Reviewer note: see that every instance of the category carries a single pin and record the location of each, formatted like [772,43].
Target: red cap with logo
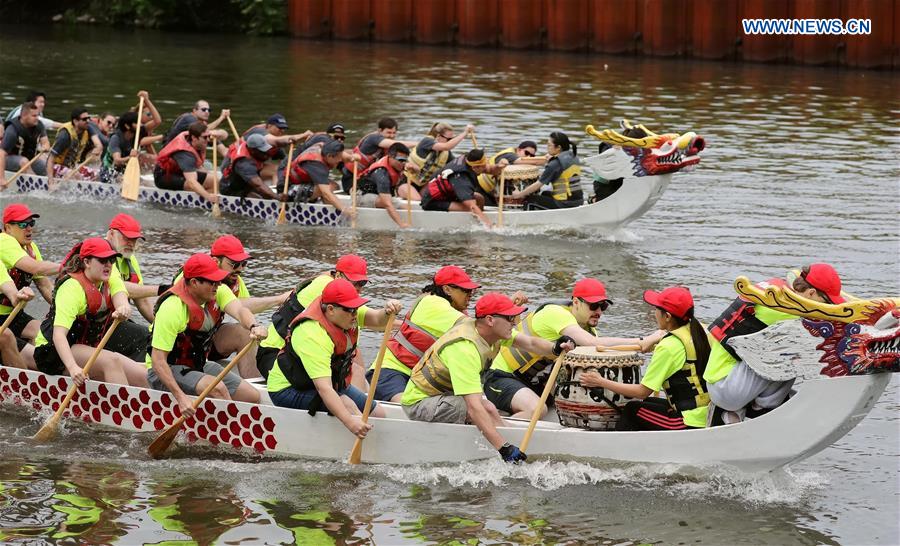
[454,276]
[342,292]
[677,300]
[590,290]
[353,267]
[204,267]
[95,247]
[127,226]
[18,212]
[230,247]
[495,303]
[825,279]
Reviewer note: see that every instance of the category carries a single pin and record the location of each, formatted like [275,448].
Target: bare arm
[376,319]
[594,379]
[329,197]
[583,338]
[450,144]
[332,401]
[472,205]
[155,118]
[258,305]
[527,190]
[45,287]
[37,267]
[140,291]
[533,344]
[224,114]
[385,201]
[145,308]
[481,419]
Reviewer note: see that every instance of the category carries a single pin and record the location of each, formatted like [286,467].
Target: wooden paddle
[409,188]
[500,204]
[356,452]
[25,167]
[48,431]
[77,168]
[234,132]
[19,306]
[132,179]
[601,348]
[474,141]
[164,440]
[353,198]
[216,211]
[282,214]
[535,417]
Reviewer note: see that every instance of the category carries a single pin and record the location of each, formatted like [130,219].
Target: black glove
[162,288]
[511,453]
[557,347]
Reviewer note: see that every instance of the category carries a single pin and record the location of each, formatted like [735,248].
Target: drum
[517,177]
[594,408]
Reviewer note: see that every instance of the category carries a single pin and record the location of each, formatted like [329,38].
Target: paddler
[433,152]
[86,299]
[242,167]
[454,188]
[371,148]
[188,315]
[10,345]
[74,141]
[23,138]
[441,306]
[200,112]
[677,367]
[309,172]
[445,386]
[387,177]
[314,368]
[517,378]
[489,180]
[21,257]
[179,165]
[560,184]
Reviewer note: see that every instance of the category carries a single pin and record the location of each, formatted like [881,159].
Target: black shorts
[265,360]
[173,182]
[500,387]
[48,361]
[19,323]
[130,339]
[431,204]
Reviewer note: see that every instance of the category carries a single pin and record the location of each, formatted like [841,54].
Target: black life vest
[28,138]
[685,389]
[19,277]
[739,319]
[192,346]
[87,329]
[291,308]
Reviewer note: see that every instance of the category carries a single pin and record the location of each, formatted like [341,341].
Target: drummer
[445,386]
[677,367]
[516,377]
[560,183]
[524,154]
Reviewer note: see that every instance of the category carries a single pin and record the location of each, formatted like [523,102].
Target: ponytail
[701,343]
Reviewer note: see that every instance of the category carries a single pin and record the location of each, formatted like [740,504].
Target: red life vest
[341,359]
[87,329]
[739,319]
[410,342]
[192,346]
[129,275]
[383,163]
[441,189]
[178,144]
[19,277]
[239,150]
[365,159]
[297,174]
[271,152]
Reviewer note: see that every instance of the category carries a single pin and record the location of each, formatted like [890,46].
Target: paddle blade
[282,215]
[216,211]
[48,431]
[132,179]
[164,440]
[356,452]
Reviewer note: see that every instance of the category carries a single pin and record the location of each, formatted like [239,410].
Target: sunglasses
[203,109]
[359,284]
[107,260]
[350,310]
[601,305]
[25,224]
[507,318]
[84,119]
[338,137]
[529,154]
[237,265]
[401,159]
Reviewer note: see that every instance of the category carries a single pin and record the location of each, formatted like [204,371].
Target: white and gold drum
[594,408]
[517,177]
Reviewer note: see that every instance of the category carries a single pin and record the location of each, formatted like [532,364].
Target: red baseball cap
[825,279]
[455,276]
[127,226]
[204,267]
[495,303]
[18,212]
[677,300]
[343,293]
[353,267]
[95,247]
[590,290]
[230,247]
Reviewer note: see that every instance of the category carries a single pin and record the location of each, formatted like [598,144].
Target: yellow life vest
[431,374]
[487,181]
[71,156]
[571,176]
[429,165]
[685,389]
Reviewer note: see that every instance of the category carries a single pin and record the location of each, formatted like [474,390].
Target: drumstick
[601,348]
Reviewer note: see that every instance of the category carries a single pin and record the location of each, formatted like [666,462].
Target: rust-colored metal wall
[708,29]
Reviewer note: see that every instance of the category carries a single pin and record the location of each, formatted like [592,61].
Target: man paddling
[23,138]
[10,345]
[371,148]
[309,171]
[21,257]
[187,317]
[179,165]
[242,167]
[73,142]
[445,386]
[388,177]
[454,188]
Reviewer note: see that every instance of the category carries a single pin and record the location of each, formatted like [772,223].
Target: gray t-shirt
[11,137]
[181,123]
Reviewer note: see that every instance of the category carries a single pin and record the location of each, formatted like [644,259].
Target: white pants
[743,386]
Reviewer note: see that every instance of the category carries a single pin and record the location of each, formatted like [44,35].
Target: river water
[801,166]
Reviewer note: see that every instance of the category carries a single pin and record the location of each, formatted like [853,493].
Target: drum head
[521,172]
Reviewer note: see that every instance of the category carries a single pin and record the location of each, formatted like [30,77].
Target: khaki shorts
[439,409]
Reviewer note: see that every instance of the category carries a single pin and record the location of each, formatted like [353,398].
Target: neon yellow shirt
[71,302]
[669,357]
[4,275]
[721,362]
[121,265]
[10,253]
[172,319]
[464,363]
[548,323]
[435,315]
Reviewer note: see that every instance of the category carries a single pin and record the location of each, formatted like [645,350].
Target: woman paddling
[677,366]
[86,300]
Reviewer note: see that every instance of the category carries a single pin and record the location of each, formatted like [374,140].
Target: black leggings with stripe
[650,414]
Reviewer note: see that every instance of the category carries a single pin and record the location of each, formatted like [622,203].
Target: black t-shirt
[321,138]
[426,145]
[464,185]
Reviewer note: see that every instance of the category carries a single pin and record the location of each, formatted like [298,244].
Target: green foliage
[264,17]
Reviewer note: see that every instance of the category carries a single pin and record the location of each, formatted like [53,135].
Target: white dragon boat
[645,167]
[837,352]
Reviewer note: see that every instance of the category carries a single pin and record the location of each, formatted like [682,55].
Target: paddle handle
[474,141]
[551,382]
[12,315]
[137,126]
[500,198]
[77,168]
[356,452]
[25,167]
[287,178]
[409,187]
[234,132]
[601,348]
[215,174]
[353,196]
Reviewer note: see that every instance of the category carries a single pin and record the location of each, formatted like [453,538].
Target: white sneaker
[732,417]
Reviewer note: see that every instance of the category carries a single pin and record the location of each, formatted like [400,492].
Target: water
[801,166]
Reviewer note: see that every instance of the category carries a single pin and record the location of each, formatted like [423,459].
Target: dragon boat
[839,353]
[639,171]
